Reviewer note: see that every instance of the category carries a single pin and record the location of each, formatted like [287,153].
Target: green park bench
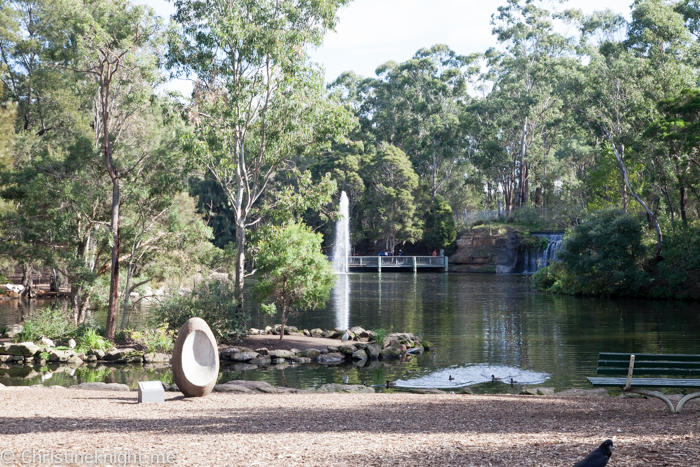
[640,371]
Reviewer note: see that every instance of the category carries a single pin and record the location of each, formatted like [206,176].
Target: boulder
[332,348]
[23,348]
[244,356]
[349,388]
[358,331]
[310,353]
[328,334]
[390,352]
[195,361]
[261,361]
[102,386]
[545,391]
[304,360]
[5,358]
[262,351]
[259,386]
[416,350]
[124,356]
[332,357]
[226,354]
[347,349]
[60,355]
[281,354]
[232,388]
[316,332]
[306,333]
[427,345]
[359,355]
[156,358]
[598,392]
[2,386]
[373,350]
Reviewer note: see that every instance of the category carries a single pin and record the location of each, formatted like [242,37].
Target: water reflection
[340,301]
[473,374]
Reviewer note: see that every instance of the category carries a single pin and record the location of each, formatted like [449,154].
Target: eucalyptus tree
[257,100]
[114,44]
[390,206]
[416,106]
[526,74]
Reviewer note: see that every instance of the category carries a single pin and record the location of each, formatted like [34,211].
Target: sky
[372,32]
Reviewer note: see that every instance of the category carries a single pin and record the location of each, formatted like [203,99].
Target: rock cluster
[361,347]
[28,353]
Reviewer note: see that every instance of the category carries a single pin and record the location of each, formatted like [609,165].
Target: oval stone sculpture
[195,359]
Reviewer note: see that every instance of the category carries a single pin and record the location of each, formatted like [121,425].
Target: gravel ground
[348,429]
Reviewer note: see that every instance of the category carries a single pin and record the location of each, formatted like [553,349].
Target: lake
[480,324]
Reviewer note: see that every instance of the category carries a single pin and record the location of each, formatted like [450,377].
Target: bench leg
[685,399]
[659,395]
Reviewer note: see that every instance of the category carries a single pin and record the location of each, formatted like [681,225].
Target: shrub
[604,255]
[213,301]
[90,339]
[544,279]
[155,340]
[51,322]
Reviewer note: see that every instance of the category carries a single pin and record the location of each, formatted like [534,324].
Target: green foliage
[214,301]
[605,255]
[50,322]
[155,340]
[381,333]
[390,202]
[294,274]
[440,228]
[90,339]
[678,275]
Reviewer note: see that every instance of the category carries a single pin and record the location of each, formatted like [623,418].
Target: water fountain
[341,251]
[341,248]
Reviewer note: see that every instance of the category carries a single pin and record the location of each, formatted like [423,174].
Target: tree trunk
[126,295]
[624,184]
[240,263]
[522,197]
[114,270]
[619,155]
[683,202]
[284,320]
[114,223]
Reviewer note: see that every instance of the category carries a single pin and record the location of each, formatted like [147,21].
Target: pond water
[480,324]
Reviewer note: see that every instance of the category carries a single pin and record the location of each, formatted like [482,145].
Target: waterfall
[534,260]
[341,249]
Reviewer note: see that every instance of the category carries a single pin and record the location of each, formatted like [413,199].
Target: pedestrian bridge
[396,263]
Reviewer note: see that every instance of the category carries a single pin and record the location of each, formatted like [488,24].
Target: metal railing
[409,262]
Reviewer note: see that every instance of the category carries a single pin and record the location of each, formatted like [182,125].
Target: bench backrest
[610,363]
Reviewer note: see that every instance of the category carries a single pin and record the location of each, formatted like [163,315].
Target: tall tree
[257,101]
[113,43]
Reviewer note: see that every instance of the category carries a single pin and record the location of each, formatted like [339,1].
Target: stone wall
[480,252]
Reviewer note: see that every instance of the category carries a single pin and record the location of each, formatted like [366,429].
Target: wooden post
[630,370]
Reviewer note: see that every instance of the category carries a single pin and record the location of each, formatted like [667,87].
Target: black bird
[389,384]
[364,383]
[494,379]
[451,378]
[598,457]
[512,382]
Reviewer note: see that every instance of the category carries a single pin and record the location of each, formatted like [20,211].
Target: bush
[155,340]
[51,322]
[544,279]
[90,339]
[605,255]
[213,301]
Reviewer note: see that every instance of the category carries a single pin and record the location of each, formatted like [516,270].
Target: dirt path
[350,429]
